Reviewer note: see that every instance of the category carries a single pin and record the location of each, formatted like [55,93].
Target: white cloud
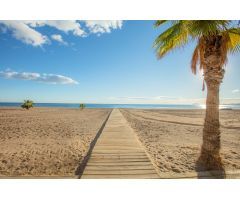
[24,33]
[56,79]
[46,78]
[62,25]
[58,38]
[99,26]
[236,91]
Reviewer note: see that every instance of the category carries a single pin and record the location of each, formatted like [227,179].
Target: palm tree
[215,40]
[27,104]
[82,106]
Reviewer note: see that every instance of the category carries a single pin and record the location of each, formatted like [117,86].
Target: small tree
[27,104]
[82,106]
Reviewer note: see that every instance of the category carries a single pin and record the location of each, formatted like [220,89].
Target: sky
[100,62]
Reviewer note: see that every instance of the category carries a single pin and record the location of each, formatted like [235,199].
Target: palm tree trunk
[213,74]
[210,153]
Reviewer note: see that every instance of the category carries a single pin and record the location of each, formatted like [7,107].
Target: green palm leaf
[180,32]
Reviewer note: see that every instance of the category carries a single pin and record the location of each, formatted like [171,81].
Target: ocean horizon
[139,106]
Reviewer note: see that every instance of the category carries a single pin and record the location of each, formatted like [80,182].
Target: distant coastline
[140,106]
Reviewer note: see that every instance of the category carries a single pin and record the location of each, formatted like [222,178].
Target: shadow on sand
[81,167]
[205,173]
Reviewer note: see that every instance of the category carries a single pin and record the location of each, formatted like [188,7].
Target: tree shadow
[80,169]
[210,170]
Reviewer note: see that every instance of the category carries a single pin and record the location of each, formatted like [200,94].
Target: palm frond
[198,28]
[195,60]
[233,36]
[224,33]
[173,37]
[201,53]
[224,50]
[160,22]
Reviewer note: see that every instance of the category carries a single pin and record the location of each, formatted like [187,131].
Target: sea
[139,106]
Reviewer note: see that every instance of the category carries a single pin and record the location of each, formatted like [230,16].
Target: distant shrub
[27,104]
[82,106]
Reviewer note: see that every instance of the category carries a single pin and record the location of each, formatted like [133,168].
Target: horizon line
[119,103]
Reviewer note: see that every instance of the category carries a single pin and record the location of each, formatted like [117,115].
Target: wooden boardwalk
[118,153]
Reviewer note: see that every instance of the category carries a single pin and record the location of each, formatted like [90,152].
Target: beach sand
[46,141]
[53,141]
[173,138]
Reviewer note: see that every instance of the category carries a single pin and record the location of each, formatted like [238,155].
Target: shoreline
[77,108]
[126,106]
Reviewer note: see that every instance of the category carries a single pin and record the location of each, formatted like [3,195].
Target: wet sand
[46,141]
[173,137]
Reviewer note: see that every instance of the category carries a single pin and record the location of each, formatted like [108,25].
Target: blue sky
[99,62]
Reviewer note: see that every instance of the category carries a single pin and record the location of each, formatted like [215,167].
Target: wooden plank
[117,148]
[117,176]
[118,143]
[118,167]
[118,153]
[120,160]
[120,172]
[143,163]
[118,156]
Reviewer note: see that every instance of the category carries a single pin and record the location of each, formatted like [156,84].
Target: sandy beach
[46,141]
[173,137]
[53,141]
